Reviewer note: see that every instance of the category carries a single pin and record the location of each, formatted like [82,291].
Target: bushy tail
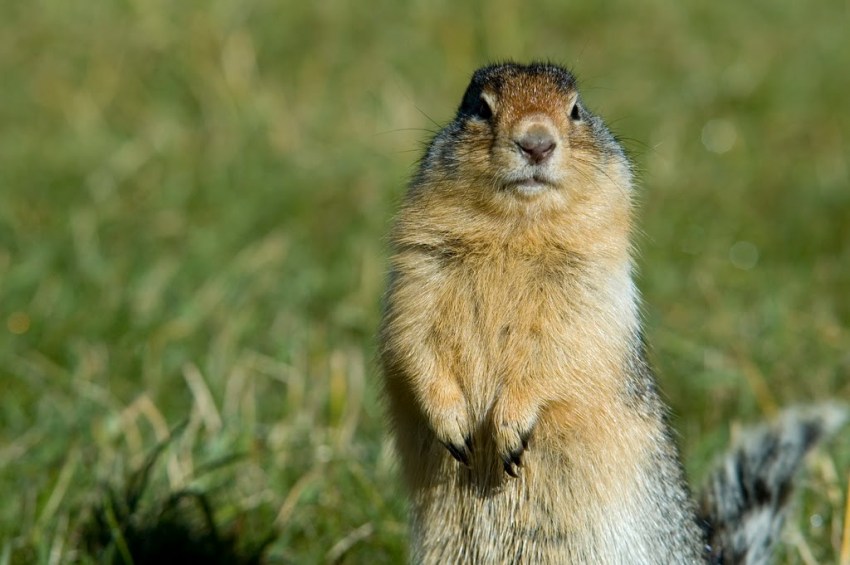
[744,501]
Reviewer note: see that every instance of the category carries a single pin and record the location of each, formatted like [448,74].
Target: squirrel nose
[537,144]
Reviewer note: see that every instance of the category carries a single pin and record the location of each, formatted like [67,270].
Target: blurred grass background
[193,203]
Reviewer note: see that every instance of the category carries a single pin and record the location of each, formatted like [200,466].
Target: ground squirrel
[526,416]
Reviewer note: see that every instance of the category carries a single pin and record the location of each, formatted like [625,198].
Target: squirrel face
[523,138]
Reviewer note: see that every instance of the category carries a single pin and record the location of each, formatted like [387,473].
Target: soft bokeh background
[194,198]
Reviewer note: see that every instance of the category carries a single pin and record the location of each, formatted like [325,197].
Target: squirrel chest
[503,311]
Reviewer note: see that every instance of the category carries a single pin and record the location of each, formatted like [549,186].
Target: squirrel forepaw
[513,424]
[449,420]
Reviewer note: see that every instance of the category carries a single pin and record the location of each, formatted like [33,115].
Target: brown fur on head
[508,109]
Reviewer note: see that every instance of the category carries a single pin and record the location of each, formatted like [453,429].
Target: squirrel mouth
[529,186]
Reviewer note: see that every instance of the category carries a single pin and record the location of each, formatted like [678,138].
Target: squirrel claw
[513,462]
[516,456]
[462,454]
[509,469]
[512,465]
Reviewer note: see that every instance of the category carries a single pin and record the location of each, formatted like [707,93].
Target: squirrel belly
[525,414]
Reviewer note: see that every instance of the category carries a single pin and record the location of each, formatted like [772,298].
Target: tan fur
[512,317]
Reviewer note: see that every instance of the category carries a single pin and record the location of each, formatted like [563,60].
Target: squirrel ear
[477,103]
[480,109]
[484,108]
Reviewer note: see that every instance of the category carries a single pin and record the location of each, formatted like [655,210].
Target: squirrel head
[523,140]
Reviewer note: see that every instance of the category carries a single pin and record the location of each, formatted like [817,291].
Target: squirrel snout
[537,143]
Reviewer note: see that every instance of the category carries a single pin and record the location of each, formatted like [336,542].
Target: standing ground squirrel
[526,416]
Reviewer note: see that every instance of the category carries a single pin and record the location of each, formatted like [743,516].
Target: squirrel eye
[483,110]
[575,114]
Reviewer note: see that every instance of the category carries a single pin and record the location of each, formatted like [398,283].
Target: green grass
[194,198]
